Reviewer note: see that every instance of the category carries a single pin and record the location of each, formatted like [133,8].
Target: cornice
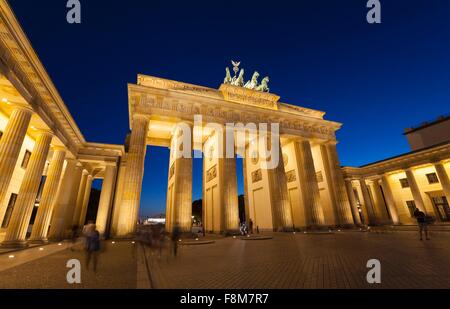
[409,160]
[156,101]
[31,78]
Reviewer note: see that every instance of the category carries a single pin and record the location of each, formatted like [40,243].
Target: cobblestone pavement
[309,261]
[286,261]
[117,268]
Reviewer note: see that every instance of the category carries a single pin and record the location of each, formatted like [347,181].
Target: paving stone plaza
[288,261]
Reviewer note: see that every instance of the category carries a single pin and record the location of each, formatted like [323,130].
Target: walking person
[73,236]
[93,249]
[251,226]
[422,222]
[175,238]
[162,238]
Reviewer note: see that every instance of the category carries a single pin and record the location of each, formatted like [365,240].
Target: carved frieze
[249,97]
[257,176]
[211,174]
[222,114]
[172,171]
[291,176]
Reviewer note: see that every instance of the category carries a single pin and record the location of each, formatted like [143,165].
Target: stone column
[367,202]
[118,196]
[20,219]
[11,144]
[73,193]
[443,179]
[309,186]
[246,201]
[282,210]
[131,195]
[104,206]
[418,200]
[183,194]
[80,198]
[379,205]
[343,211]
[352,200]
[57,224]
[87,195]
[390,201]
[231,195]
[45,210]
[179,197]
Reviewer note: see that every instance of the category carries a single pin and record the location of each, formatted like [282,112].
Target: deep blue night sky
[322,54]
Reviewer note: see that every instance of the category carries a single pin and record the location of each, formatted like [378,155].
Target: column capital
[58,148]
[438,162]
[21,106]
[71,160]
[331,142]
[408,169]
[44,132]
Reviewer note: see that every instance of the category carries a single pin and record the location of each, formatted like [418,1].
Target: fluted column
[343,210]
[183,194]
[57,223]
[231,195]
[309,186]
[352,200]
[282,210]
[133,178]
[443,179]
[80,198]
[20,219]
[45,210]
[246,201]
[87,195]
[104,206]
[11,144]
[390,201]
[367,202]
[418,200]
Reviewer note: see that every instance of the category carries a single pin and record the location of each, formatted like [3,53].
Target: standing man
[422,222]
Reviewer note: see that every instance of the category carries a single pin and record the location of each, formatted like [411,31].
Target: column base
[15,244]
[38,241]
[124,237]
[284,229]
[346,226]
[317,228]
[231,233]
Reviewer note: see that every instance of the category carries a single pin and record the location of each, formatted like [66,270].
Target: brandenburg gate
[306,188]
[47,167]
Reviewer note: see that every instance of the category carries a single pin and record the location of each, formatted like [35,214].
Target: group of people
[154,237]
[246,229]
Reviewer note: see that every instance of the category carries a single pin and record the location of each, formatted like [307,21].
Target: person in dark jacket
[422,222]
[93,249]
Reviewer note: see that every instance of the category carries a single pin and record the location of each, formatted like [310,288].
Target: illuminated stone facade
[47,166]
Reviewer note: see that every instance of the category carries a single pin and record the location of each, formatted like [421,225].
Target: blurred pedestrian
[162,239]
[175,239]
[93,249]
[87,232]
[73,236]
